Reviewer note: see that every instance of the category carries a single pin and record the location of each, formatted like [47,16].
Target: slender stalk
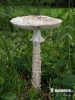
[36,59]
[36,66]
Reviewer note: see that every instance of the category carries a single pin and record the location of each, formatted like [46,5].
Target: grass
[58,55]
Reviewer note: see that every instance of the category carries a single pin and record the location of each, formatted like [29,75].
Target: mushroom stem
[36,59]
[37,36]
[36,66]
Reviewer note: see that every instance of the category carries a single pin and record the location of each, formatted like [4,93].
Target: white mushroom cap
[33,22]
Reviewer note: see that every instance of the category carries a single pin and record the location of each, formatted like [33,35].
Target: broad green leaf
[69,80]
[8,96]
[1,80]
[57,81]
[69,36]
[17,61]
[47,63]
[69,27]
[60,98]
[61,63]
[32,93]
[57,70]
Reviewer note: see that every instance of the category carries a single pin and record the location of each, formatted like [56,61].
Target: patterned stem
[36,65]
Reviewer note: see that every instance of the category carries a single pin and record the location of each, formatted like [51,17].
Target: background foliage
[53,3]
[58,52]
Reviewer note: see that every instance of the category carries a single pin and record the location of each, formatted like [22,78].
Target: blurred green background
[52,3]
[57,52]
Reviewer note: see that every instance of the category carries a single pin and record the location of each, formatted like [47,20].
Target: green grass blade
[5,46]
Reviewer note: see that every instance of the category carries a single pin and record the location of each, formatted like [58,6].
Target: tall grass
[58,54]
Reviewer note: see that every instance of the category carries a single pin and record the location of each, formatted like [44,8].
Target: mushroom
[36,23]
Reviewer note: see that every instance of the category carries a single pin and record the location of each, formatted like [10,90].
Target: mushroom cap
[33,22]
